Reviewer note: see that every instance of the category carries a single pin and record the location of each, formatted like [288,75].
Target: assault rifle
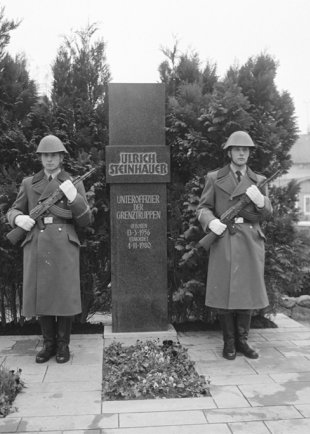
[226,218]
[18,234]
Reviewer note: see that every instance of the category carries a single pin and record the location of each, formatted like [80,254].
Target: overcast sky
[225,32]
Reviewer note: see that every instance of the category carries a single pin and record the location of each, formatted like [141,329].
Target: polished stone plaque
[138,168]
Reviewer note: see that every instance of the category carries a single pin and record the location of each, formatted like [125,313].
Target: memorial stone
[138,168]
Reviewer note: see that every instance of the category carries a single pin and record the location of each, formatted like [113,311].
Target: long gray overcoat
[51,274]
[236,263]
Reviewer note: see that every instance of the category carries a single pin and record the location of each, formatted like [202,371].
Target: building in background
[300,171]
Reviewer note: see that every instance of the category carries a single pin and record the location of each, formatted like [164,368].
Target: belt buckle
[239,220]
[48,220]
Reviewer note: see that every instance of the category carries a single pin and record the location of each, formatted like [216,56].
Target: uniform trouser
[56,331]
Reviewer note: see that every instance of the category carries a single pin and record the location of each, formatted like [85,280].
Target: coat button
[42,230]
[59,229]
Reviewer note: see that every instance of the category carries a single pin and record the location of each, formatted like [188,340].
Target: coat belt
[47,220]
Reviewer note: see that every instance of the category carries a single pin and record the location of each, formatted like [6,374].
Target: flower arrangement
[10,386]
[150,370]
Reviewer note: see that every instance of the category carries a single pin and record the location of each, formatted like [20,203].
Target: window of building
[307,204]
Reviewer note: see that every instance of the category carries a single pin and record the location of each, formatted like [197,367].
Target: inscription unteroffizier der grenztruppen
[139,230]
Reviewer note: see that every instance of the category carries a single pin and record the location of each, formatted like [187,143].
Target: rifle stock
[207,240]
[15,235]
[18,234]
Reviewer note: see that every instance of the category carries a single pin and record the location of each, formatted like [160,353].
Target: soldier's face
[51,161]
[239,155]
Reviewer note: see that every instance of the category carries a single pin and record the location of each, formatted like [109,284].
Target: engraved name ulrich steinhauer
[138,163]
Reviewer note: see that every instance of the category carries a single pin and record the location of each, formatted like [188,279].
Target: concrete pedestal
[130,338]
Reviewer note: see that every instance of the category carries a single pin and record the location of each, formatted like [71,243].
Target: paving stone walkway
[267,395]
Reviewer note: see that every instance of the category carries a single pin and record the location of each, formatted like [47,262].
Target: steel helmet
[50,144]
[239,138]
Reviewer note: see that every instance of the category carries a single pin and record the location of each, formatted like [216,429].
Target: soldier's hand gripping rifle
[18,234]
[226,218]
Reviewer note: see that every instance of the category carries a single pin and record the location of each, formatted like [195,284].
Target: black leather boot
[63,338]
[228,326]
[243,323]
[48,329]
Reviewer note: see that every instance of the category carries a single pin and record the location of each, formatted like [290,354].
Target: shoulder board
[63,176]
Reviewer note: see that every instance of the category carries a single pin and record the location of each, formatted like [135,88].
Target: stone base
[297,308]
[131,338]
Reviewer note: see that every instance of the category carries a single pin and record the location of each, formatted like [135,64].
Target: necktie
[50,178]
[239,174]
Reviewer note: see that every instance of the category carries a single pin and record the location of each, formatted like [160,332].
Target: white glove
[25,222]
[69,190]
[256,196]
[217,226]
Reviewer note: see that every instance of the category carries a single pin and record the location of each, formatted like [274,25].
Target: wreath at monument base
[150,370]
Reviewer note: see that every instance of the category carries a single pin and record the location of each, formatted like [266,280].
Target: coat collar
[226,181]
[38,177]
[39,182]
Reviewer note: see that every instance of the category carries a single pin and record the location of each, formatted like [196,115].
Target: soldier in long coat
[51,277]
[235,282]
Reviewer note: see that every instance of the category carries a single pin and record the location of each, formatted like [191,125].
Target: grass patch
[10,386]
[149,370]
